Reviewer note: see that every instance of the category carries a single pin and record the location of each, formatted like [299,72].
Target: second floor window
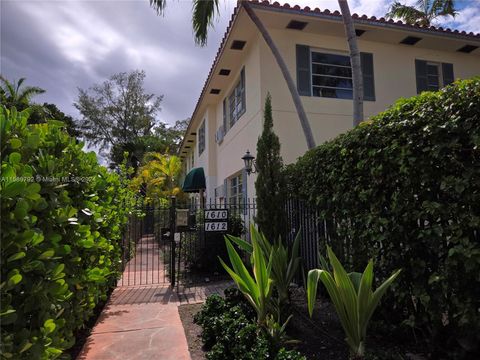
[236,100]
[201,138]
[331,75]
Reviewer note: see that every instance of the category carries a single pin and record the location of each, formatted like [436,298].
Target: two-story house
[398,60]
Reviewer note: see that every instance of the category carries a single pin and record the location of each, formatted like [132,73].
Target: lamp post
[250,164]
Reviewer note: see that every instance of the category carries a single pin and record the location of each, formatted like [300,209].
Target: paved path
[142,322]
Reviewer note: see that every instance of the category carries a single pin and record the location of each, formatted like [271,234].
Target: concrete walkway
[142,322]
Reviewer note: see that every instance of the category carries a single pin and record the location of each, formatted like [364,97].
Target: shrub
[404,189]
[229,330]
[62,217]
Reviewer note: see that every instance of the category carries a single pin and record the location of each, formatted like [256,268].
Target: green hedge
[404,188]
[61,224]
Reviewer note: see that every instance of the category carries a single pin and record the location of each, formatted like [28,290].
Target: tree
[270,184]
[158,177]
[355,62]
[19,96]
[117,112]
[424,12]
[14,94]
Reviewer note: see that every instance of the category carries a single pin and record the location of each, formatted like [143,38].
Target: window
[235,193]
[201,138]
[431,75]
[236,101]
[331,75]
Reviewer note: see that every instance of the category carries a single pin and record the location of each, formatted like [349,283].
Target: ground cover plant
[62,217]
[404,189]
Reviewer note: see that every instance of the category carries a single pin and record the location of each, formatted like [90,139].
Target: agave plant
[352,296]
[285,263]
[257,289]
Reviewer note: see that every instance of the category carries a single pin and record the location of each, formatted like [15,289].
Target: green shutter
[447,71]
[225,116]
[304,77]
[421,74]
[368,77]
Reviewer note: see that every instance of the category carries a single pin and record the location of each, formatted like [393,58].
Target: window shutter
[242,86]
[421,74]
[447,71]
[304,77]
[368,76]
[225,115]
[226,191]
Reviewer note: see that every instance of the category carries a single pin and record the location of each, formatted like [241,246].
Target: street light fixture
[250,164]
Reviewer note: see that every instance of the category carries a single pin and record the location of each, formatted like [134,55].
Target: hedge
[404,188]
[62,216]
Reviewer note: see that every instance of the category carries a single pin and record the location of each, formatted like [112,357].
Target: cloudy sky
[61,45]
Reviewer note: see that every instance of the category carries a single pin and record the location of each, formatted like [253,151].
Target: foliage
[158,177]
[257,289]
[203,13]
[118,111]
[16,95]
[406,187]
[229,330]
[285,262]
[19,96]
[62,217]
[270,183]
[424,12]
[352,296]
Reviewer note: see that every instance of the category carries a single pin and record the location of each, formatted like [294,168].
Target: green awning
[194,181]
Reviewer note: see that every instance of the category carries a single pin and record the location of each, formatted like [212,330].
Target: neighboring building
[398,60]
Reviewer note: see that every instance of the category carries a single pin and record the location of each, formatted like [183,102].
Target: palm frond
[445,8]
[10,87]
[27,93]
[409,14]
[159,6]
[204,11]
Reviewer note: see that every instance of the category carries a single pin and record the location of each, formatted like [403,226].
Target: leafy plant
[352,296]
[257,289]
[62,224]
[403,189]
[285,261]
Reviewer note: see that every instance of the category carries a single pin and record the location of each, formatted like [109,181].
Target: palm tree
[423,12]
[13,94]
[357,78]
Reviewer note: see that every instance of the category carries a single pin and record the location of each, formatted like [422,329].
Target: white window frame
[236,198]
[239,101]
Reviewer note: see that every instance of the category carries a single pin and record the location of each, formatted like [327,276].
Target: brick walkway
[142,323]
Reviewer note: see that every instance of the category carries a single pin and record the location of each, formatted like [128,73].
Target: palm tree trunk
[286,75]
[355,61]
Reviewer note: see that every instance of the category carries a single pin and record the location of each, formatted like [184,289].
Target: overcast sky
[61,45]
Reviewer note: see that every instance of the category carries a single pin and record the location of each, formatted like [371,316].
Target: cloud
[62,45]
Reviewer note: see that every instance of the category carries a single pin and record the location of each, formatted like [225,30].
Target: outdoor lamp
[249,161]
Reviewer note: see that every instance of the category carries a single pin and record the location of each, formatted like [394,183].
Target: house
[398,60]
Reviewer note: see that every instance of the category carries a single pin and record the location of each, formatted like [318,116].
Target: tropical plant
[15,94]
[158,177]
[257,289]
[285,262]
[270,182]
[62,227]
[352,296]
[424,12]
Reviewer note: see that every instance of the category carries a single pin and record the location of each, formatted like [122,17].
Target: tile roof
[325,13]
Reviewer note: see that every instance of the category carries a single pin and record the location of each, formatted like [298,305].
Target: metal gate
[177,243]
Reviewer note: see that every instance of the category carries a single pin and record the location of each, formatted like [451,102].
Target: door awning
[194,181]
